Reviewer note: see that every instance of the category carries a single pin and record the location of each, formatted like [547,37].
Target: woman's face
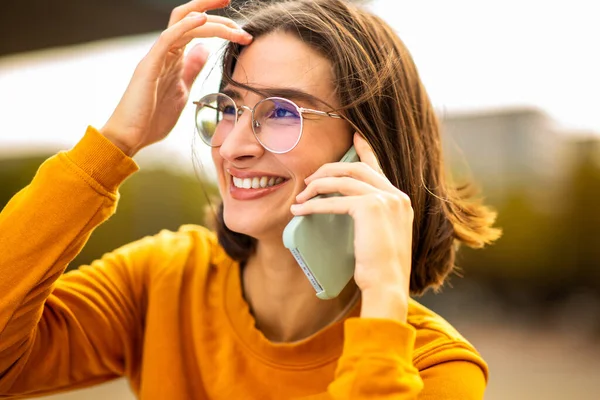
[276,62]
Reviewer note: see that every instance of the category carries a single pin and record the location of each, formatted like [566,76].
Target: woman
[197,315]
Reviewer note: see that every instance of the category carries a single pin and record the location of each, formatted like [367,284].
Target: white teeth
[256,182]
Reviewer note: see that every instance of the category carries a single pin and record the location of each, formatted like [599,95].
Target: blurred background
[516,85]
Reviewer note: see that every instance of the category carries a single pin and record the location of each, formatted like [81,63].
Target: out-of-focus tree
[579,246]
[520,266]
[151,200]
[544,257]
[15,174]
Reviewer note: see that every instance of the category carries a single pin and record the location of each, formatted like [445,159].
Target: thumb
[193,64]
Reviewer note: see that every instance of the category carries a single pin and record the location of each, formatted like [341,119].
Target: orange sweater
[167,312]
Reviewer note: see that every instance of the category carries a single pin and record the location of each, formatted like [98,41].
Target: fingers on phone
[344,185]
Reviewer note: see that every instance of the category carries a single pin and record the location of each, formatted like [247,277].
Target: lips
[248,186]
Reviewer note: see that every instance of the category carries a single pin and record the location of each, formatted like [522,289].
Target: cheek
[321,144]
[217,162]
[305,167]
[302,169]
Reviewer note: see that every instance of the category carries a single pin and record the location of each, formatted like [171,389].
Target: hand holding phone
[323,246]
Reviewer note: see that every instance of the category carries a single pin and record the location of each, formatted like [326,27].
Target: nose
[241,144]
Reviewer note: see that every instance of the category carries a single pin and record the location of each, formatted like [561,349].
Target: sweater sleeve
[377,364]
[64,331]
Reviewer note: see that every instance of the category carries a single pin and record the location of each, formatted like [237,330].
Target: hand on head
[160,86]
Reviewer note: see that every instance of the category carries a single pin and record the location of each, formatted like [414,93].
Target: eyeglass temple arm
[201,104]
[317,112]
[304,110]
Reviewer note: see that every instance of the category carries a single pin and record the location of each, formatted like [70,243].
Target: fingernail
[244,33]
[295,207]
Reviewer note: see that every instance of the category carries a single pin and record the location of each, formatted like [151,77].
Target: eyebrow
[288,93]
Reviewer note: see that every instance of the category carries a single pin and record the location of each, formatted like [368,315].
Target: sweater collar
[318,349]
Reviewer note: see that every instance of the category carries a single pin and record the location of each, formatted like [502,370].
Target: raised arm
[59,332]
[50,335]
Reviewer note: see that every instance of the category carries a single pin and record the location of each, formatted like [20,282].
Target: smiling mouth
[257,182]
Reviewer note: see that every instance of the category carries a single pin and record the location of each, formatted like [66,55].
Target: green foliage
[579,245]
[540,252]
[548,254]
[15,174]
[524,254]
[151,200]
[209,126]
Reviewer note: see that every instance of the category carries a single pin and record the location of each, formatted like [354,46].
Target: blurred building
[505,150]
[584,146]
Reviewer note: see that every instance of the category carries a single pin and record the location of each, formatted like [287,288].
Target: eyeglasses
[277,123]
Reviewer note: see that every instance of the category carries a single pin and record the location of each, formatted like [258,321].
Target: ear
[366,153]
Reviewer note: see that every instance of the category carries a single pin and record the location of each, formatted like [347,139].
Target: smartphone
[323,246]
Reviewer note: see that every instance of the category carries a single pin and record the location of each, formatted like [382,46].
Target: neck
[282,300]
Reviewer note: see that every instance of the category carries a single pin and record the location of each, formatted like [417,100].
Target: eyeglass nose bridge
[240,111]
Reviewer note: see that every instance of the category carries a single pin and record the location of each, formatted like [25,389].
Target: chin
[259,225]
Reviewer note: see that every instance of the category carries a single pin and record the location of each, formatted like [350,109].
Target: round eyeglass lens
[215,117]
[277,124]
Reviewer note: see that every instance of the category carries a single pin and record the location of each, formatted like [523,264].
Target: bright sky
[471,55]
[479,54]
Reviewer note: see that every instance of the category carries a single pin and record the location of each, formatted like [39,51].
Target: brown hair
[381,94]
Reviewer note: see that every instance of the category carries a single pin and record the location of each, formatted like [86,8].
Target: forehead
[281,60]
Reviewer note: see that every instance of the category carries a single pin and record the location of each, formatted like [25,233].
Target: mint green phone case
[323,246]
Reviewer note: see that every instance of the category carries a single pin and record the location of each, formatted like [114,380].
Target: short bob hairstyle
[382,96]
